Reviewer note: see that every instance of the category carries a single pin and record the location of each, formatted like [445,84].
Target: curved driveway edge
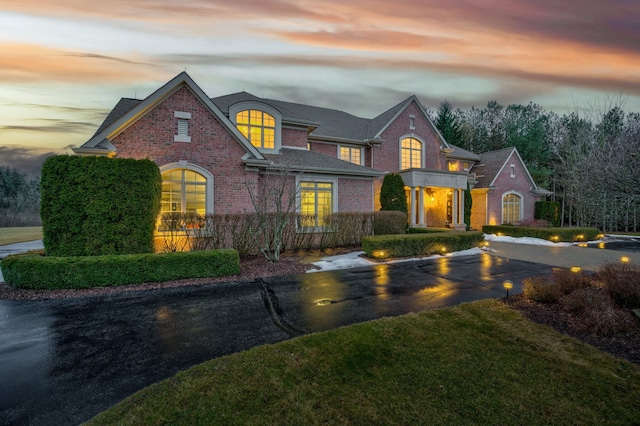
[63,361]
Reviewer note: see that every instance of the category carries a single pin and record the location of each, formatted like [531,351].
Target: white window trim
[315,179]
[361,163]
[502,204]
[412,122]
[242,106]
[182,164]
[512,167]
[422,150]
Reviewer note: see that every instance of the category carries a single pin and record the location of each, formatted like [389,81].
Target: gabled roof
[384,120]
[313,162]
[491,165]
[114,124]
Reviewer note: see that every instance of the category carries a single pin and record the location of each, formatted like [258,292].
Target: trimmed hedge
[389,246]
[427,230]
[94,206]
[389,222]
[32,270]
[551,234]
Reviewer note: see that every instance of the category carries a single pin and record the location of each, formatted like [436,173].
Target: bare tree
[274,200]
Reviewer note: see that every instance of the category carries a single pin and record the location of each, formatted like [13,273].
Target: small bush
[541,289]
[607,320]
[389,222]
[622,282]
[550,234]
[420,244]
[568,281]
[48,272]
[585,298]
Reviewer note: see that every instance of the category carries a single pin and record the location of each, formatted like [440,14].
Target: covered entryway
[435,198]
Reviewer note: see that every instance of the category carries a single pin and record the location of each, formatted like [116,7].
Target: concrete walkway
[589,259]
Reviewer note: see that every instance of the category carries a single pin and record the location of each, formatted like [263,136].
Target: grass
[477,363]
[20,235]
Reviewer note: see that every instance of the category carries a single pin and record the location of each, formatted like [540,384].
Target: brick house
[214,152]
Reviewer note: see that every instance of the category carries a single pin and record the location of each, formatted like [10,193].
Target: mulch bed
[623,345]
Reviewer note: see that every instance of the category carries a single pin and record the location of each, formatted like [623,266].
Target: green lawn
[477,363]
[20,235]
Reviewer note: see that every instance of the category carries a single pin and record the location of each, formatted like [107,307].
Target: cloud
[53,126]
[20,63]
[90,113]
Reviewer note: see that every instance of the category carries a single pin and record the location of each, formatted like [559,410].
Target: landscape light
[508,285]
[576,269]
[379,254]
[624,259]
[580,237]
[554,238]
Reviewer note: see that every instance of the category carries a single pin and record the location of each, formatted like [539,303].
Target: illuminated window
[257,126]
[466,166]
[511,208]
[351,154]
[411,153]
[183,191]
[452,165]
[316,202]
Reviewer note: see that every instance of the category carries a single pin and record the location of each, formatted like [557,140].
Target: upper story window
[182,131]
[352,154]
[411,153]
[466,166]
[412,122]
[452,165]
[513,170]
[257,126]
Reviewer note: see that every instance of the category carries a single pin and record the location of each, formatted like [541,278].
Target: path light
[379,254]
[443,250]
[508,285]
[580,237]
[599,236]
[624,259]
[554,238]
[576,269]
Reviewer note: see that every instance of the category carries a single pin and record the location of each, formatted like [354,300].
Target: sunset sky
[65,64]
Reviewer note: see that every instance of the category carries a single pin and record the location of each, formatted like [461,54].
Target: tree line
[589,158]
[19,198]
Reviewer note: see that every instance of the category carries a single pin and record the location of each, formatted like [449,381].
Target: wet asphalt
[64,361]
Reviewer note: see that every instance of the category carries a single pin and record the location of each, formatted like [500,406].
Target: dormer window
[258,127]
[182,130]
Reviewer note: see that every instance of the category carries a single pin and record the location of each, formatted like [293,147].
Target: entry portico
[437,191]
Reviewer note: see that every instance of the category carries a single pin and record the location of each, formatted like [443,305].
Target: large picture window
[411,153]
[316,202]
[258,127]
[183,191]
[511,208]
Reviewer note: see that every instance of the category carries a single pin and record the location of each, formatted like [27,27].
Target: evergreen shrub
[34,271]
[390,246]
[547,210]
[97,206]
[392,195]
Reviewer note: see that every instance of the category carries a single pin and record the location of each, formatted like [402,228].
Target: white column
[413,207]
[454,217]
[461,206]
[421,206]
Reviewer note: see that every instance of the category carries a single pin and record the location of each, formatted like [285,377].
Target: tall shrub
[96,205]
[468,202]
[392,195]
[549,211]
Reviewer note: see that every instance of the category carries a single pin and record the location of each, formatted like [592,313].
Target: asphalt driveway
[63,361]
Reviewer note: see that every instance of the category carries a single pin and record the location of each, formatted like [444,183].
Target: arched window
[183,191]
[257,126]
[511,208]
[410,153]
